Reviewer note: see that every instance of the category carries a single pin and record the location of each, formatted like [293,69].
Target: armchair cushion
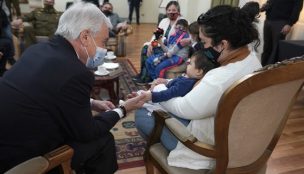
[34,165]
[160,154]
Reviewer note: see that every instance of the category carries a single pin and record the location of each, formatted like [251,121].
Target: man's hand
[101,106]
[286,29]
[134,103]
[17,23]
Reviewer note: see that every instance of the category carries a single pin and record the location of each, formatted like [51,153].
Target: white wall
[149,10]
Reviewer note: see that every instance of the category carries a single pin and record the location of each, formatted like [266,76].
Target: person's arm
[199,103]
[297,7]
[75,107]
[177,46]
[180,88]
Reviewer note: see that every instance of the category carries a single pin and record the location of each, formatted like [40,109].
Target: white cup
[102,70]
[110,53]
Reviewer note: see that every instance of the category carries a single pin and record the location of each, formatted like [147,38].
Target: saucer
[110,57]
[101,74]
[110,65]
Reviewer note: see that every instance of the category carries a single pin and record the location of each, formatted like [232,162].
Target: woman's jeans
[145,121]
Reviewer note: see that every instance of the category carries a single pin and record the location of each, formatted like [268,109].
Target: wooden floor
[288,156]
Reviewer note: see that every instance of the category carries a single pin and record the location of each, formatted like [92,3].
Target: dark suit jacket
[45,102]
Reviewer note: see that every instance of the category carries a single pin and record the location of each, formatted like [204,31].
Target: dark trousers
[272,36]
[95,157]
[133,5]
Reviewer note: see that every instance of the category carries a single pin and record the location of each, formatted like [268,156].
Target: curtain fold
[234,3]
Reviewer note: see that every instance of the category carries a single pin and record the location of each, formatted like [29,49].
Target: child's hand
[158,81]
[147,95]
[168,54]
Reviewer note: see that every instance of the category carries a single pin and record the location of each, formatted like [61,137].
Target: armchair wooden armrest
[185,137]
[42,164]
[181,132]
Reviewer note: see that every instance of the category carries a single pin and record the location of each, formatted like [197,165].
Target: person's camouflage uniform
[44,22]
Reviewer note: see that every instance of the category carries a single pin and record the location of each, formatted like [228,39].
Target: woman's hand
[157,82]
[101,106]
[150,50]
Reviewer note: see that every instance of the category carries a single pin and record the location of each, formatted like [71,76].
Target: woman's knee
[144,122]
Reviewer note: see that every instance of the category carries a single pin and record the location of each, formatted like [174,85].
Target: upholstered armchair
[118,43]
[249,121]
[38,165]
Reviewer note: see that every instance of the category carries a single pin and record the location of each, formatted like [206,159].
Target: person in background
[226,32]
[117,23]
[196,43]
[95,2]
[6,37]
[43,22]
[45,98]
[281,15]
[134,4]
[173,53]
[168,25]
[16,8]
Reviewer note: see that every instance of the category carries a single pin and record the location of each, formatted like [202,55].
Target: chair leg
[148,163]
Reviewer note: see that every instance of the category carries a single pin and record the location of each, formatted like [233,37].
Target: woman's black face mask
[172,16]
[212,54]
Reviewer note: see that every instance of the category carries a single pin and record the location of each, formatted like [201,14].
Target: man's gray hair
[81,16]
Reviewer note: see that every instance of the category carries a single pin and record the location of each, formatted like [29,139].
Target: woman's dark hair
[229,23]
[203,62]
[175,3]
[252,9]
[182,22]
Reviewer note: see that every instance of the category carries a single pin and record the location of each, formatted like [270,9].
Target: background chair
[38,165]
[249,121]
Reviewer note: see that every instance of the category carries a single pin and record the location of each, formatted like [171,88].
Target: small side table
[109,82]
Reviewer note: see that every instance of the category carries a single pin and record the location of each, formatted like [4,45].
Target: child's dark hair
[182,22]
[194,28]
[203,62]
[229,23]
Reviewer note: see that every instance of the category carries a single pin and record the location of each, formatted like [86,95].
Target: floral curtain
[234,3]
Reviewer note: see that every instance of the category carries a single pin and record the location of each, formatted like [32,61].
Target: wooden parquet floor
[288,156]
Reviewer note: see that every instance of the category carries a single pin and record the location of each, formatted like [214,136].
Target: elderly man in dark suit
[45,98]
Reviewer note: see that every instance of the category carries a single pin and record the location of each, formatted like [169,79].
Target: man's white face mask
[98,58]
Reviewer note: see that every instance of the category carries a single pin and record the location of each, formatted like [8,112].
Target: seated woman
[172,54]
[225,31]
[168,25]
